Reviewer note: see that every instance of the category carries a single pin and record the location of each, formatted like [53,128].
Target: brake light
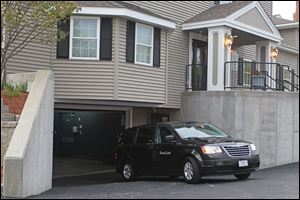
[116,155]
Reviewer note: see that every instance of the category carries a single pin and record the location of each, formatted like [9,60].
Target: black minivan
[189,149]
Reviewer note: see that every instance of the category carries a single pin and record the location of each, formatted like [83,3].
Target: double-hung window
[247,72]
[143,44]
[84,37]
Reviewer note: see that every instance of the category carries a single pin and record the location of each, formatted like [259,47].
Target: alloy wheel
[188,171]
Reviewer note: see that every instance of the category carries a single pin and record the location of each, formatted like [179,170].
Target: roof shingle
[218,11]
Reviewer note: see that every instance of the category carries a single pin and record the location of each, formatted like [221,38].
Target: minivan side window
[128,136]
[145,135]
[162,133]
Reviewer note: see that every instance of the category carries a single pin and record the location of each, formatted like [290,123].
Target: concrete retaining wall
[22,78]
[7,130]
[268,119]
[28,160]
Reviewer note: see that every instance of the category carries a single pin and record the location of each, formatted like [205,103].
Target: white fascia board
[288,25]
[124,12]
[205,24]
[255,31]
[287,49]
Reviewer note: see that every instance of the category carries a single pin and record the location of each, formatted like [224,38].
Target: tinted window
[145,135]
[162,133]
[127,136]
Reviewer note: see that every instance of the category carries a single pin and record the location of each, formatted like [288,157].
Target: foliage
[12,90]
[27,21]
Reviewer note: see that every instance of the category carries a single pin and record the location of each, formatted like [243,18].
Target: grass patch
[13,90]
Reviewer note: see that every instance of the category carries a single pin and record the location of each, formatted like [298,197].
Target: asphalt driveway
[279,182]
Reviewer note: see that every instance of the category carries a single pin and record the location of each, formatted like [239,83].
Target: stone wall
[270,120]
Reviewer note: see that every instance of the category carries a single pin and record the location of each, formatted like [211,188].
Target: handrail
[241,74]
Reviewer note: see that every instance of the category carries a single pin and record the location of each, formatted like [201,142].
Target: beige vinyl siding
[247,52]
[290,37]
[178,49]
[286,58]
[140,82]
[33,57]
[85,79]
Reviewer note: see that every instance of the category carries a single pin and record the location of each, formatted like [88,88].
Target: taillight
[116,155]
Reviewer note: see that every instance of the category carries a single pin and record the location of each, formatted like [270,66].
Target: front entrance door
[199,72]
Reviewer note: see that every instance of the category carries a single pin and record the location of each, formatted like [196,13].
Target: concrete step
[7,117]
[4,109]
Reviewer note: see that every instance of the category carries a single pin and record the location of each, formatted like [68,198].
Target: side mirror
[170,139]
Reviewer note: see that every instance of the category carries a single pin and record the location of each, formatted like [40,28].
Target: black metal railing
[259,75]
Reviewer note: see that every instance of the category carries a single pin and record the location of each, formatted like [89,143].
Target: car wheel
[191,171]
[128,172]
[242,176]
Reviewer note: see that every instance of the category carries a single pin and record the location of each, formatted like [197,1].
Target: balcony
[246,76]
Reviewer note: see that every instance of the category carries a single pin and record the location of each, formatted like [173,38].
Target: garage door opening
[84,141]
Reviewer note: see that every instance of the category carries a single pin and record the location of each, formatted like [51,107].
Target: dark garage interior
[85,139]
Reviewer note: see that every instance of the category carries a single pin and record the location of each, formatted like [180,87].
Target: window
[162,133]
[143,44]
[127,136]
[247,72]
[84,37]
[145,135]
[286,78]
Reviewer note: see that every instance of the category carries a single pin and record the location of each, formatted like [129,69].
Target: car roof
[167,123]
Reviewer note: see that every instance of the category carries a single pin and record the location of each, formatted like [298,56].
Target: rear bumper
[229,166]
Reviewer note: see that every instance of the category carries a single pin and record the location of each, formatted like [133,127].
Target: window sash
[97,38]
[247,72]
[138,25]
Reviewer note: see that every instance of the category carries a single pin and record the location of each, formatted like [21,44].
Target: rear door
[143,149]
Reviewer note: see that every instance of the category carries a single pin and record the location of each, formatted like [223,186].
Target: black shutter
[106,38]
[130,41]
[240,71]
[63,45]
[156,48]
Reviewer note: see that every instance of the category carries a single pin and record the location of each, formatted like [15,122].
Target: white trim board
[231,22]
[152,20]
[288,25]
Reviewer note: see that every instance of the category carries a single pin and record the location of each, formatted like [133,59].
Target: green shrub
[12,90]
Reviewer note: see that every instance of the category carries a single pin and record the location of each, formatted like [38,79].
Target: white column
[218,54]
[266,57]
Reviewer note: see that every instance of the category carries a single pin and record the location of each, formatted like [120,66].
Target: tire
[128,172]
[191,171]
[242,176]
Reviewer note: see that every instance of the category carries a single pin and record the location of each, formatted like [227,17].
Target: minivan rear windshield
[198,130]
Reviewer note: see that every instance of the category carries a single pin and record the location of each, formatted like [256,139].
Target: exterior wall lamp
[228,40]
[274,53]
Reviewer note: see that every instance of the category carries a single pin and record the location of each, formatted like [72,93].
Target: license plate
[243,163]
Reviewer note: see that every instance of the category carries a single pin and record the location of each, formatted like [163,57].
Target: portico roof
[247,16]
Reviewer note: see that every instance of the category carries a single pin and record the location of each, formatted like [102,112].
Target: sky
[284,8]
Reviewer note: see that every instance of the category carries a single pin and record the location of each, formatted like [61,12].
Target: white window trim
[71,39]
[135,45]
